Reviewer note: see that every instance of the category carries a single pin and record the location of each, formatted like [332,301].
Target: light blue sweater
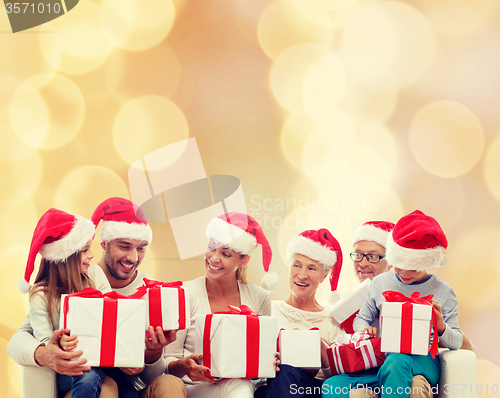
[443,294]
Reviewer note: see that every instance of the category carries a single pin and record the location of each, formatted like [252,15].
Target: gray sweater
[443,294]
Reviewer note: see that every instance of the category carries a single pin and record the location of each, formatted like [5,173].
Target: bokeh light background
[330,112]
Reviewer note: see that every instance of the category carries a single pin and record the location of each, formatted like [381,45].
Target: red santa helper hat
[57,236]
[373,231]
[417,242]
[121,219]
[242,233]
[320,245]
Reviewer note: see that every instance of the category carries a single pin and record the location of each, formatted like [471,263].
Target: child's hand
[277,361]
[67,342]
[371,331]
[439,316]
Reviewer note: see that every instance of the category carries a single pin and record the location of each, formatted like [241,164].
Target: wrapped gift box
[110,329]
[358,353]
[237,346]
[405,327]
[300,348]
[167,304]
[344,311]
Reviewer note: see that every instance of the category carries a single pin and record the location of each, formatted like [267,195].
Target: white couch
[458,377]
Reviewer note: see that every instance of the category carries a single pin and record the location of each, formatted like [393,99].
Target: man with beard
[125,235]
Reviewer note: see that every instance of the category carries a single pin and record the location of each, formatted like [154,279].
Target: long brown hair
[60,277]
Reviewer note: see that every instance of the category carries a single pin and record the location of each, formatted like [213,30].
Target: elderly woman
[312,255]
[231,238]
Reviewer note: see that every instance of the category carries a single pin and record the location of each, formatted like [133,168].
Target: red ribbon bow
[407,317]
[109,320]
[253,338]
[152,288]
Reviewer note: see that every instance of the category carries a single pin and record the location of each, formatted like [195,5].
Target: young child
[416,244]
[63,240]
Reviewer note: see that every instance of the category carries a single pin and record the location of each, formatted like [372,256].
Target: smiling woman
[312,256]
[231,239]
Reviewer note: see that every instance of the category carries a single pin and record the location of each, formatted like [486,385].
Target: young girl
[63,240]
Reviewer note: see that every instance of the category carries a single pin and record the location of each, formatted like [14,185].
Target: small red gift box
[354,353]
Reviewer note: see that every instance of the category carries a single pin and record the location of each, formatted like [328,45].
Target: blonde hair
[60,277]
[241,273]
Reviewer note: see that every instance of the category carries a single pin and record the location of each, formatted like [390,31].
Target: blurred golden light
[11,146]
[308,79]
[486,272]
[21,219]
[79,45]
[492,167]
[247,17]
[154,64]
[145,124]
[446,138]
[13,314]
[460,18]
[488,376]
[345,16]
[427,192]
[322,134]
[132,26]
[82,189]
[56,110]
[398,35]
[285,23]
[19,179]
[363,100]
[11,379]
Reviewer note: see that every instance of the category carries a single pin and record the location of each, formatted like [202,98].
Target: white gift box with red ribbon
[300,348]
[110,327]
[167,304]
[406,324]
[240,344]
[344,311]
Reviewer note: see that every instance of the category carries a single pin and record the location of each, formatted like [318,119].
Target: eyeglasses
[372,258]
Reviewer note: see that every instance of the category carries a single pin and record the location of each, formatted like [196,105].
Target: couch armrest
[39,382]
[458,374]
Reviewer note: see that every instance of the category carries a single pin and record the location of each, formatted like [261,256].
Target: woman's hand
[372,332]
[67,342]
[157,340]
[439,316]
[277,362]
[189,367]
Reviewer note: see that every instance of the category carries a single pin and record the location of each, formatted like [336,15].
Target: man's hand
[156,342]
[53,357]
[371,331]
[67,342]
[439,316]
[132,371]
[188,366]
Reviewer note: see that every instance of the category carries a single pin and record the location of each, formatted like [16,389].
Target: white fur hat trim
[414,259]
[82,231]
[231,236]
[315,251]
[111,230]
[370,233]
